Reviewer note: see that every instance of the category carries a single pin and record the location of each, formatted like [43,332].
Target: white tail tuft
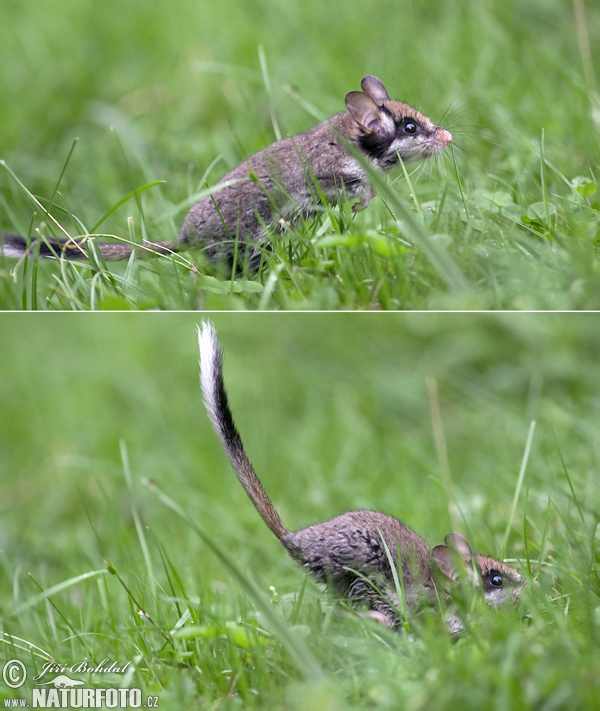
[215,400]
[209,360]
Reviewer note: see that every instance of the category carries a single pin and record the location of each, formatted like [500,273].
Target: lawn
[125,536]
[114,117]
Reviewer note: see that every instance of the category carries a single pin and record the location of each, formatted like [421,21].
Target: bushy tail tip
[16,246]
[13,246]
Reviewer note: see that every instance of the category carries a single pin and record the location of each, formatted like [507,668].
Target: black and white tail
[16,247]
[217,406]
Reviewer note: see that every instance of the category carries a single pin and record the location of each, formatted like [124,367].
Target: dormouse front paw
[364,201]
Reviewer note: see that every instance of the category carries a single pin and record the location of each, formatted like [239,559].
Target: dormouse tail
[217,406]
[79,248]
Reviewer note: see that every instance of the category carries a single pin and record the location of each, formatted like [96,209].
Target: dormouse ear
[373,88]
[365,112]
[459,544]
[446,560]
[455,559]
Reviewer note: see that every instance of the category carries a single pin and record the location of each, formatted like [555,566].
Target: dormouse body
[347,554]
[287,181]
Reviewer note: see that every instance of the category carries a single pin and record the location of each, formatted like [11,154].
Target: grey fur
[287,180]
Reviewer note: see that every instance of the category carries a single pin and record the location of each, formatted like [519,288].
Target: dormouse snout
[444,137]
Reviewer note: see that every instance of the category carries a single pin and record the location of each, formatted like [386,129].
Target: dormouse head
[388,128]
[500,583]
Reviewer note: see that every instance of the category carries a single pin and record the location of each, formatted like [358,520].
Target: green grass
[423,416]
[98,104]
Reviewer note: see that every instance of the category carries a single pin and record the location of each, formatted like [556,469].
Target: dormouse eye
[496,580]
[410,127]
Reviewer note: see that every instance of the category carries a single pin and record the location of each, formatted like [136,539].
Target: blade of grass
[136,518]
[543,179]
[59,587]
[32,197]
[518,488]
[124,199]
[398,579]
[140,608]
[22,644]
[267,81]
[62,172]
[439,438]
[569,482]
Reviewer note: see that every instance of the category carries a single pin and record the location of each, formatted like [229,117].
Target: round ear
[459,544]
[445,558]
[373,88]
[365,112]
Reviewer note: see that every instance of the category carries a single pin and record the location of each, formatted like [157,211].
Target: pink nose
[444,136]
